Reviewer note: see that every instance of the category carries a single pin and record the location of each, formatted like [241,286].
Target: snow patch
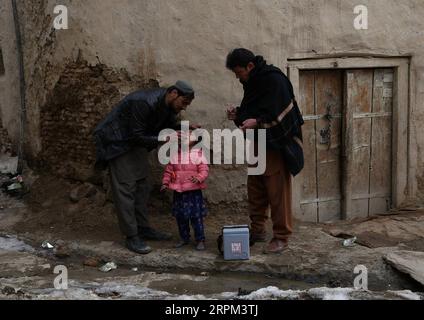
[10,243]
[331,294]
[407,294]
[316,293]
[272,293]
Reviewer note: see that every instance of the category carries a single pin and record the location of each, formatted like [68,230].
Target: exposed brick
[82,97]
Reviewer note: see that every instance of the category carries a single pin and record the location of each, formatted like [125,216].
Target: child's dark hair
[239,58]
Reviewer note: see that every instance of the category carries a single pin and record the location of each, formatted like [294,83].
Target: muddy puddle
[225,282]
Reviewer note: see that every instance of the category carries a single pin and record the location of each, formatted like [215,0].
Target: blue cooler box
[236,242]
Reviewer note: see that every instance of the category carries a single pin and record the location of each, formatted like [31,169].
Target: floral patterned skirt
[189,205]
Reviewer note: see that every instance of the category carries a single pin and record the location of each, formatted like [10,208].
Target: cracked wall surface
[118,46]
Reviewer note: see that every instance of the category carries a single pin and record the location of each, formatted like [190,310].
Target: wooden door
[369,96]
[347,142]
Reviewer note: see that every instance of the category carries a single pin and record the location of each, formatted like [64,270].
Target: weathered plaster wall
[9,80]
[187,39]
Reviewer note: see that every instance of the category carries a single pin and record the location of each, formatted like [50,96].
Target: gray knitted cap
[185,87]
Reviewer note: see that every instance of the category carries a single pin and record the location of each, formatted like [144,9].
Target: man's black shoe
[137,245]
[151,234]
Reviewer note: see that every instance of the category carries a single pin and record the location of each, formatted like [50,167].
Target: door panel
[328,101]
[321,192]
[361,89]
[309,207]
[381,142]
[371,92]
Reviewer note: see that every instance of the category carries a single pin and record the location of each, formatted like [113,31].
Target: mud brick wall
[82,97]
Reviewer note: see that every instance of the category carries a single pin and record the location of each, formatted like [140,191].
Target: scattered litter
[108,267]
[350,242]
[47,245]
[15,186]
[134,269]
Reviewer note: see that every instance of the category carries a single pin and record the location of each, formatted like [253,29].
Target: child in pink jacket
[187,180]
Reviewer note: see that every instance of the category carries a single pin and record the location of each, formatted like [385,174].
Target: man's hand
[249,124]
[164,188]
[231,112]
[194,180]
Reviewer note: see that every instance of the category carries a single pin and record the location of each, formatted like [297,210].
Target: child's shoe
[181,244]
[200,246]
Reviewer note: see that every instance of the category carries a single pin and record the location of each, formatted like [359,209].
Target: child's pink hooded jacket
[177,175]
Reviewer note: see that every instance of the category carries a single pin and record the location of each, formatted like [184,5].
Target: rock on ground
[409,262]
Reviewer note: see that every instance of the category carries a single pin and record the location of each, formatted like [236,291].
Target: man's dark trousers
[131,189]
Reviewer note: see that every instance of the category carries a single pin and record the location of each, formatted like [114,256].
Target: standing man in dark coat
[123,142]
[269,104]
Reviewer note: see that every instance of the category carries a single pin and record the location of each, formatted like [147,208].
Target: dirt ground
[72,210]
[81,219]
[51,210]
[91,215]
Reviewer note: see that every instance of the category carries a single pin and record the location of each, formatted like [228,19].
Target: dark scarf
[268,95]
[258,98]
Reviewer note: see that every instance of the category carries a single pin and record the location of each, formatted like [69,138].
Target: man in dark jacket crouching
[123,141]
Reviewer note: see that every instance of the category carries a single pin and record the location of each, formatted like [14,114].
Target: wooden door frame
[401,107]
